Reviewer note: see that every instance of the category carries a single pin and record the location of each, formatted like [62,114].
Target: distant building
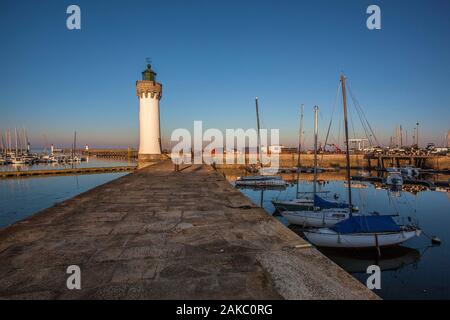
[273,149]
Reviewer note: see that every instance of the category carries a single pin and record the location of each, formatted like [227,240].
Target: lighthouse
[149,93]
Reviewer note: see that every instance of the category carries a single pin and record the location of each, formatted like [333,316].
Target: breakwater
[161,234]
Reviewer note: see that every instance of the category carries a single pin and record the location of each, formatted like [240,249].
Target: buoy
[435,240]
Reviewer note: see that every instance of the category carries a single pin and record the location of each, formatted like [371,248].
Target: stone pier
[160,234]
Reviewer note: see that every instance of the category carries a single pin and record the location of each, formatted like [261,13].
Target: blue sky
[213,58]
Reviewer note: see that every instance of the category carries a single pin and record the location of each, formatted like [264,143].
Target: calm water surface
[91,162]
[22,197]
[415,270]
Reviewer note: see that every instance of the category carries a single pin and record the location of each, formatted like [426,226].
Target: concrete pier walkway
[160,234]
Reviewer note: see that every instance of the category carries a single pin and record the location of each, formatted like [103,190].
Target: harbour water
[415,270]
[91,162]
[22,197]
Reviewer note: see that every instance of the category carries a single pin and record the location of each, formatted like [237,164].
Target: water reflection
[22,197]
[415,270]
[91,162]
[392,259]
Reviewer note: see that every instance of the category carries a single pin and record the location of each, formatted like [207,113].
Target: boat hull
[316,219]
[329,238]
[294,205]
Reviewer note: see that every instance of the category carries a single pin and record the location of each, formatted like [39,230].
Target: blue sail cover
[324,204]
[366,224]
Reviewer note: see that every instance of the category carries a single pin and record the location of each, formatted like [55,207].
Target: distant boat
[265,178]
[48,159]
[73,159]
[17,160]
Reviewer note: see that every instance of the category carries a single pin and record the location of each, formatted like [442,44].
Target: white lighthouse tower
[149,92]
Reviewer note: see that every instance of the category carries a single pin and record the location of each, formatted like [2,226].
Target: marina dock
[161,234]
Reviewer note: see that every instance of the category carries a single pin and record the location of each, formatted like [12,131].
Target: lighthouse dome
[149,74]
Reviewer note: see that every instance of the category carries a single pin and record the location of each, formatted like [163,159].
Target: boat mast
[8,140]
[316,131]
[15,137]
[26,141]
[299,147]
[300,136]
[259,134]
[3,145]
[347,151]
[74,144]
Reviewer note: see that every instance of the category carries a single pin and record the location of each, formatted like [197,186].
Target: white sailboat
[318,212]
[306,202]
[327,237]
[261,180]
[372,231]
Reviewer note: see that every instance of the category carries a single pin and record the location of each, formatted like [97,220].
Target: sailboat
[16,158]
[261,180]
[307,203]
[316,212]
[372,231]
[296,203]
[73,158]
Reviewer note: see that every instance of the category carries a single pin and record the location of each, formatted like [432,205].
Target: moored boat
[362,231]
[264,178]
